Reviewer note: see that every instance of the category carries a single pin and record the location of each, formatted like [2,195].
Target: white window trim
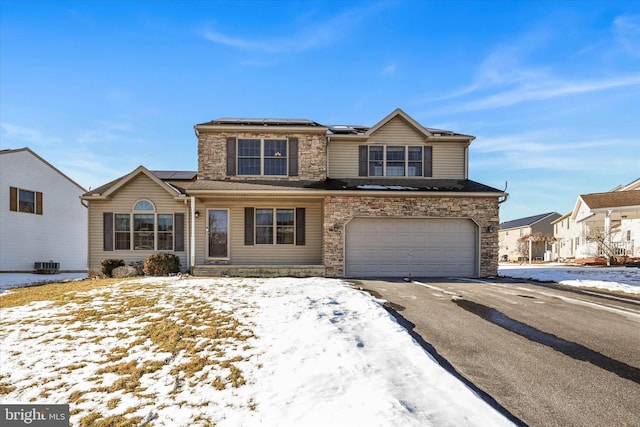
[406,161]
[274,227]
[262,157]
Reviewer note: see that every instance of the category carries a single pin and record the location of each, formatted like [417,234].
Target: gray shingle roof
[523,222]
[352,184]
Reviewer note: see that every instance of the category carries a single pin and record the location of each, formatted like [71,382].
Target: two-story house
[43,225]
[293,197]
[512,248]
[608,224]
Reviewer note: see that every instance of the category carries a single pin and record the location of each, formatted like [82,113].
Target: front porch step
[258,271]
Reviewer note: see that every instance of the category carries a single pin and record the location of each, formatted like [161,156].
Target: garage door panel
[411,246]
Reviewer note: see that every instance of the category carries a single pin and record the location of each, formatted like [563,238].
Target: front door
[218,233]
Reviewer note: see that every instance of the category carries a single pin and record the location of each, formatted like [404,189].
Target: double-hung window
[25,201]
[275,223]
[165,232]
[262,157]
[386,160]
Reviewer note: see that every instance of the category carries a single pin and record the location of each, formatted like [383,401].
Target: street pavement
[543,355]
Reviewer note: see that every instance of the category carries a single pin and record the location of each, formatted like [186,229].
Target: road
[547,356]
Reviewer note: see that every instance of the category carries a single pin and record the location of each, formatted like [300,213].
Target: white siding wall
[59,234]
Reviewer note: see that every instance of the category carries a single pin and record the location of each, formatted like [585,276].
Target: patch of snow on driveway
[621,279]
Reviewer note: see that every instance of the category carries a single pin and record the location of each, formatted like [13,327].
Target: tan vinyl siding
[123,201]
[448,159]
[397,132]
[241,254]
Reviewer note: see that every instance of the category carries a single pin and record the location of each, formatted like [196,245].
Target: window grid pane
[143,230]
[249,157]
[414,161]
[285,230]
[275,156]
[122,232]
[165,232]
[275,166]
[27,201]
[376,161]
[264,226]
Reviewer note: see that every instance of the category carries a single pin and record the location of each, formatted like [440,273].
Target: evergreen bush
[162,264]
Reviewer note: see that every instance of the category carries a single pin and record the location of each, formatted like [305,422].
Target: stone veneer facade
[212,155]
[341,209]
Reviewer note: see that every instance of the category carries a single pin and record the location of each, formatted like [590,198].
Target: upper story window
[262,157]
[25,201]
[392,161]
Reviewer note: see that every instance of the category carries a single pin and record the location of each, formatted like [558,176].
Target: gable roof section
[399,113]
[612,200]
[28,150]
[170,183]
[525,222]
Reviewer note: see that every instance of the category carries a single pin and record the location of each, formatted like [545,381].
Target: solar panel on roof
[177,175]
[263,121]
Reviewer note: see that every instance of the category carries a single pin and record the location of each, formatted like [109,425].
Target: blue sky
[550,89]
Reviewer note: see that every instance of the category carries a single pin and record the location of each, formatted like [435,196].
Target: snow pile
[620,279]
[314,352]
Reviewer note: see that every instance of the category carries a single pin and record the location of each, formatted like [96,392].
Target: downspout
[607,236]
[192,240]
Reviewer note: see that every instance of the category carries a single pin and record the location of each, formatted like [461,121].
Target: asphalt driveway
[545,355]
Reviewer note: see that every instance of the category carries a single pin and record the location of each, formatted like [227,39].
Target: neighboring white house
[42,218]
[610,219]
[568,236]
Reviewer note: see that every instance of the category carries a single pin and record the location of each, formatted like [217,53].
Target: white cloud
[306,38]
[389,69]
[14,134]
[626,29]
[537,90]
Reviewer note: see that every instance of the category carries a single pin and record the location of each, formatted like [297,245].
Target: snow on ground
[229,352]
[16,280]
[621,279]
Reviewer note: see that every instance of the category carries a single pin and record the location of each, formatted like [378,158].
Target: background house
[510,231]
[42,218]
[568,236]
[608,224]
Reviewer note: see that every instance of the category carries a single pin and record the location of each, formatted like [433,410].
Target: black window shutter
[38,203]
[13,199]
[248,226]
[427,167]
[231,155]
[300,226]
[107,227]
[293,156]
[178,233]
[363,160]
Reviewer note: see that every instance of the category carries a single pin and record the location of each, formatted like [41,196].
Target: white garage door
[416,247]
